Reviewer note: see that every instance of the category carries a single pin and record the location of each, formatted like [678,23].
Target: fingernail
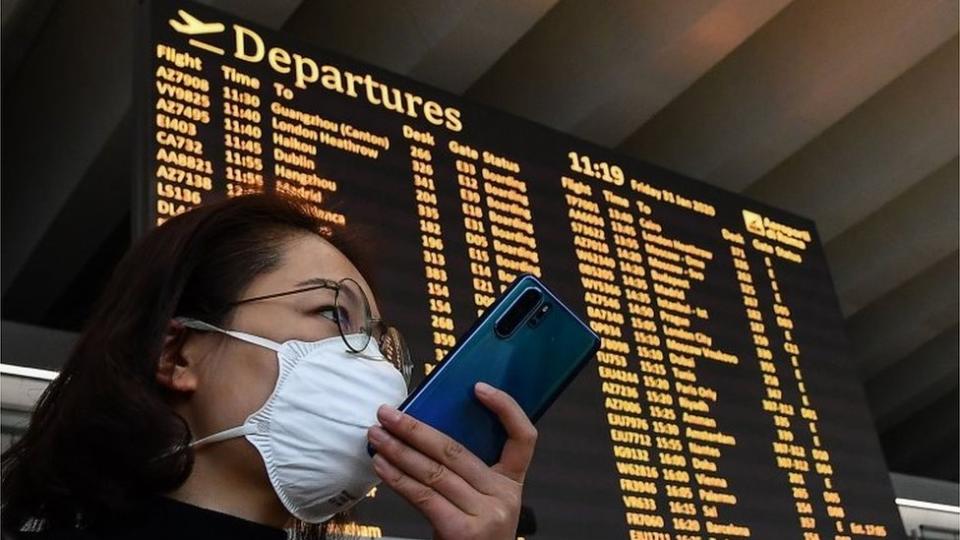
[484,388]
[378,461]
[387,413]
[376,435]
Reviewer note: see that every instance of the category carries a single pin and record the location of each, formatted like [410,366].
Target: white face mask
[312,430]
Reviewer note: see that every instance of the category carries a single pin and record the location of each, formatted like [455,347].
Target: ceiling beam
[902,320]
[49,107]
[916,381]
[902,134]
[925,489]
[915,445]
[34,346]
[599,70]
[273,14]
[902,238]
[100,201]
[804,70]
[446,44]
[22,21]
[478,40]
[943,464]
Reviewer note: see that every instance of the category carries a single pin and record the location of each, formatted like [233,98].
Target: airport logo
[754,222]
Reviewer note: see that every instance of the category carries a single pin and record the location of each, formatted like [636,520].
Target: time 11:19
[600,169]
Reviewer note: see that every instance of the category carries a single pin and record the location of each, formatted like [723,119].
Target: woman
[225,387]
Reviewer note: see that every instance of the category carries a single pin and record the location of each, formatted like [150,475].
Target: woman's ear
[176,370]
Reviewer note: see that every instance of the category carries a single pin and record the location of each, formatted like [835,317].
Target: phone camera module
[528,304]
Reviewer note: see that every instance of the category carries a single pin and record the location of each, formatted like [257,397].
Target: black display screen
[721,404]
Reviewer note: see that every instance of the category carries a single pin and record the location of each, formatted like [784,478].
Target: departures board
[721,403]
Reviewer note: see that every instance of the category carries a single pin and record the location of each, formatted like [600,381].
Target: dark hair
[102,433]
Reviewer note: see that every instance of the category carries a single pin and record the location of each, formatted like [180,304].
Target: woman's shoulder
[158,518]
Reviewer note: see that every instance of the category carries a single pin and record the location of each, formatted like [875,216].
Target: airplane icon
[193,26]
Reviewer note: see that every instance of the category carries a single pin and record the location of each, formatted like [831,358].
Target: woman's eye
[327,312]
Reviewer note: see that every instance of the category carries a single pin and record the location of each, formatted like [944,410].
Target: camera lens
[528,302]
[541,312]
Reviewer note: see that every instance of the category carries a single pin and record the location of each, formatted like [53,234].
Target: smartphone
[527,344]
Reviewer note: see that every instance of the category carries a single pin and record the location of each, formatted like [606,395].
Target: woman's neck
[217,482]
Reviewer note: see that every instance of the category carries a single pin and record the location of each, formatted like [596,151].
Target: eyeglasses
[355,322]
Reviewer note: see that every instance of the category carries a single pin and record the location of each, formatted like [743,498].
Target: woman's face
[235,378]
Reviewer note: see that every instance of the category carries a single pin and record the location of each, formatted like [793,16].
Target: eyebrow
[314,282]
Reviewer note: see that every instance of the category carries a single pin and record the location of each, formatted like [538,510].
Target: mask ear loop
[231,433]
[244,429]
[197,324]
[241,430]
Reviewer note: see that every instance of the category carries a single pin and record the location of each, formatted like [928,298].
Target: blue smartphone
[527,344]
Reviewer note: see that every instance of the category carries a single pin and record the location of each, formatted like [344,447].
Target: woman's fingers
[460,495]
[425,470]
[437,446]
[433,505]
[521,435]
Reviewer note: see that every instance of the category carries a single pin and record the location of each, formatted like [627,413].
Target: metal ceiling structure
[845,111]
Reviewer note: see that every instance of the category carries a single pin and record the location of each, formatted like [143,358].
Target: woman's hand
[461,496]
